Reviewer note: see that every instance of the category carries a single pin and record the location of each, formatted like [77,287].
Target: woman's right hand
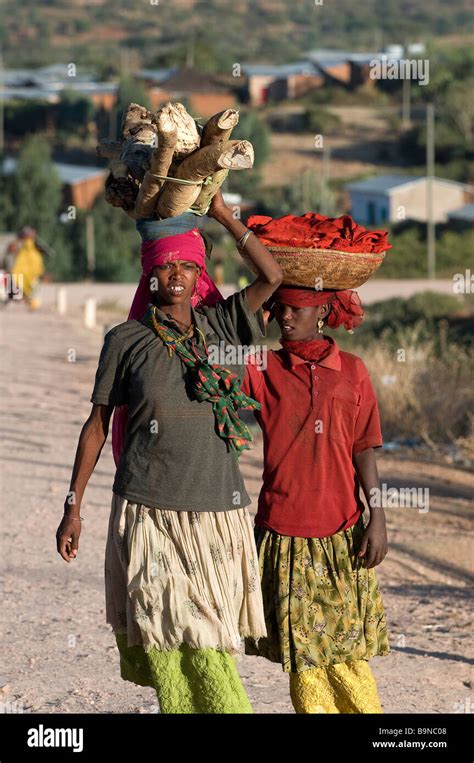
[67,537]
[218,208]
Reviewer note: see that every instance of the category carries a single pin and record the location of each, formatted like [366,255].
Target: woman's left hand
[374,544]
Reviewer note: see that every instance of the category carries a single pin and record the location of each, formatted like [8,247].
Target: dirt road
[60,655]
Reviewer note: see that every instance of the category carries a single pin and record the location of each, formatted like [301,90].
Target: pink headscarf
[187,246]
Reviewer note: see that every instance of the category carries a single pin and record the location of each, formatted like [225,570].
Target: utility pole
[306,190]
[2,111]
[430,225]
[325,174]
[190,52]
[406,96]
[113,121]
[406,102]
[90,246]
[124,62]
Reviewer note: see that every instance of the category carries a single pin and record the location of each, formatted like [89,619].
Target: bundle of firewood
[166,164]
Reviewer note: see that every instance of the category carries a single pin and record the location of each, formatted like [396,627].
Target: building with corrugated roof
[393,198]
[203,93]
[81,184]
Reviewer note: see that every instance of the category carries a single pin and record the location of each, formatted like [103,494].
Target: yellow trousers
[347,687]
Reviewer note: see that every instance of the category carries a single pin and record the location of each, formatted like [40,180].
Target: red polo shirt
[314,416]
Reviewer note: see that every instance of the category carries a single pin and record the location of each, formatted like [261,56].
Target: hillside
[93,31]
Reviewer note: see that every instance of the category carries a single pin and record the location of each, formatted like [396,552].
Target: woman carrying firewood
[181,570]
[318,412]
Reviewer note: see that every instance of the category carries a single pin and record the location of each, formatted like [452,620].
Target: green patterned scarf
[211,382]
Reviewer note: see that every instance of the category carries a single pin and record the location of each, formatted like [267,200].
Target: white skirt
[174,577]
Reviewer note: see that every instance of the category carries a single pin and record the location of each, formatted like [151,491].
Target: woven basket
[331,268]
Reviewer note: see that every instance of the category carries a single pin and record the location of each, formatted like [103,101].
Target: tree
[250,127]
[36,189]
[117,244]
[7,208]
[130,91]
[74,112]
[460,107]
[320,121]
[305,194]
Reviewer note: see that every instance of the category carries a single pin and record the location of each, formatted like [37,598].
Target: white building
[393,198]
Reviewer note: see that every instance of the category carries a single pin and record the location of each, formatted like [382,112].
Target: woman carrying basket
[181,571]
[319,416]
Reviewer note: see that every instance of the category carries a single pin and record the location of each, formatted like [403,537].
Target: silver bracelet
[243,239]
[78,519]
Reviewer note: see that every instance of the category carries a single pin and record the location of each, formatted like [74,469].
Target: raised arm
[91,441]
[269,272]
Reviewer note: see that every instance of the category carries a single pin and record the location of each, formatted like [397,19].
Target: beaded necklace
[175,340]
[211,382]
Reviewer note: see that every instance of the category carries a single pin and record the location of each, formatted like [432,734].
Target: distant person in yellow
[28,267]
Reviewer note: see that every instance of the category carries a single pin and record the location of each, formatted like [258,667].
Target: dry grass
[421,394]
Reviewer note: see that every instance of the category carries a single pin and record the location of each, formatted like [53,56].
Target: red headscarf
[187,246]
[346,307]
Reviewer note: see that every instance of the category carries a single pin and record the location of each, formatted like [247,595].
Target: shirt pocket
[342,420]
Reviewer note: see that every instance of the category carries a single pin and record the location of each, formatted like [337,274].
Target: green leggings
[186,680]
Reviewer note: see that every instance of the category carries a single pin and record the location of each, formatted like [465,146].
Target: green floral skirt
[321,605]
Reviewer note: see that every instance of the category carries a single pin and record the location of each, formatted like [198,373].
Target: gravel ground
[60,655]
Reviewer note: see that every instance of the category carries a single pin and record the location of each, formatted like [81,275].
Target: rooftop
[191,80]
[29,94]
[69,173]
[327,56]
[465,212]
[381,183]
[52,93]
[46,76]
[155,75]
[284,70]
[386,183]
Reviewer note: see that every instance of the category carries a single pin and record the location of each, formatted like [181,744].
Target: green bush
[445,320]
[73,113]
[318,120]
[117,244]
[22,118]
[408,256]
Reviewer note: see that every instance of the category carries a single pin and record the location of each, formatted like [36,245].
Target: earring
[320,326]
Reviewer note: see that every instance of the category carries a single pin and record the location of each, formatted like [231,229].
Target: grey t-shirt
[173,457]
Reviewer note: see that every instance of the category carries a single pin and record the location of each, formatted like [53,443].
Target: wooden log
[121,192]
[160,162]
[188,136]
[239,156]
[216,130]
[136,118]
[219,127]
[176,198]
[139,137]
[208,191]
